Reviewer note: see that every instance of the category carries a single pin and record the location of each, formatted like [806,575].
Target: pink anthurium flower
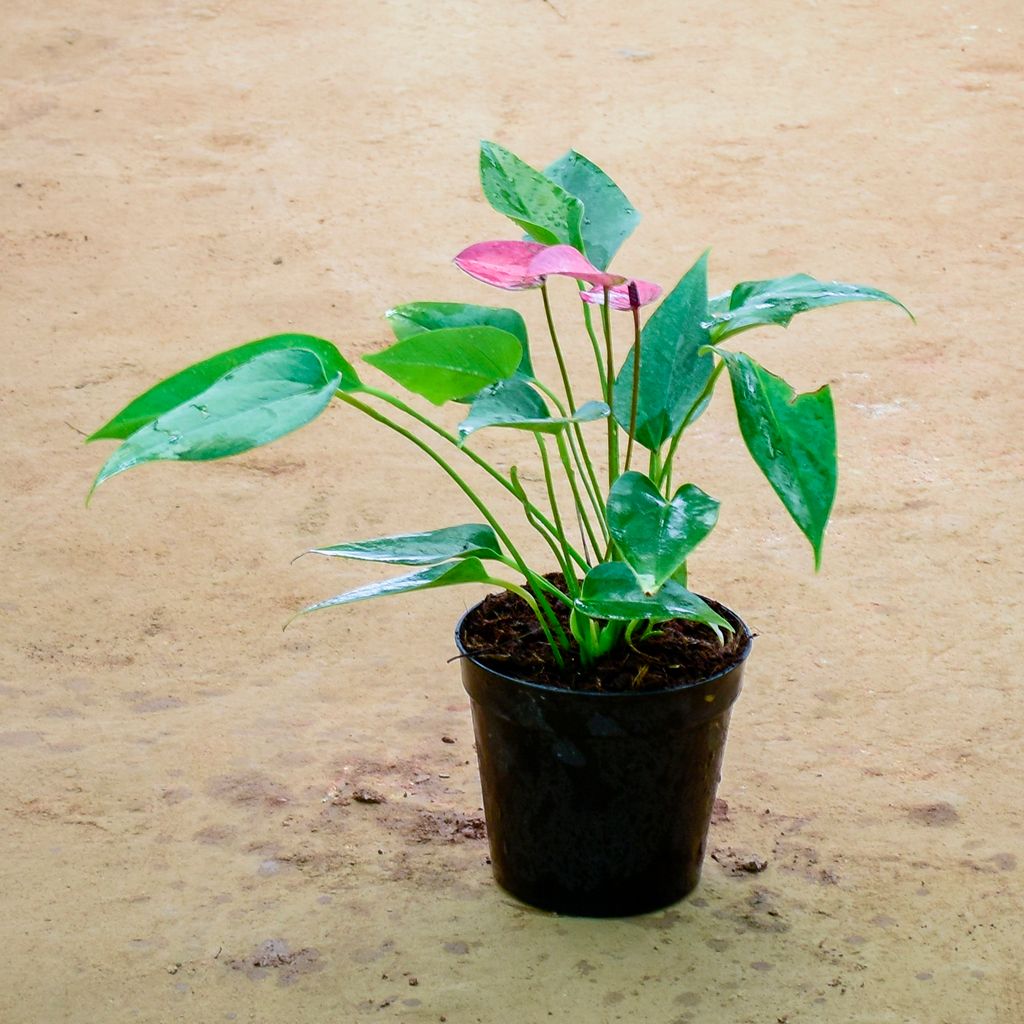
[619,297]
[566,261]
[502,264]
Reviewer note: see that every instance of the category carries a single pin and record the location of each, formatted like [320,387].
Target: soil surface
[205,818]
[503,634]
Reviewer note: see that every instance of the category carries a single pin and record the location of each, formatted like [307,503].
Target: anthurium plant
[618,525]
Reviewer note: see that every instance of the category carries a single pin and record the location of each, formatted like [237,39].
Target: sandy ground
[179,839]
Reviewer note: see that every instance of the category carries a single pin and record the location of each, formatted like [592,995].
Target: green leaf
[513,403]
[421,548]
[792,438]
[609,218]
[672,373]
[656,536]
[756,303]
[254,403]
[612,591]
[419,317]
[182,387]
[450,363]
[544,210]
[449,574]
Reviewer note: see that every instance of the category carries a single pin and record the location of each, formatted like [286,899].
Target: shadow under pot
[598,803]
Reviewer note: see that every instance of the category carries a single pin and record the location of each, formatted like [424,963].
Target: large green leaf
[186,385]
[544,210]
[672,373]
[656,536]
[513,403]
[756,303]
[449,574]
[450,363]
[792,438]
[612,591]
[254,403]
[609,218]
[419,317]
[427,548]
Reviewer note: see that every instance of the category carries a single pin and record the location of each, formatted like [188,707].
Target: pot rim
[605,694]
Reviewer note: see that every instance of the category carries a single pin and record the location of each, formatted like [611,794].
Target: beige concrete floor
[180,177]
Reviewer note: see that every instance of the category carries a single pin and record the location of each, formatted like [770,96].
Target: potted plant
[600,683]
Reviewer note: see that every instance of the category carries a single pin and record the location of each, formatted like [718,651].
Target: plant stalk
[634,405]
[613,427]
[534,516]
[547,620]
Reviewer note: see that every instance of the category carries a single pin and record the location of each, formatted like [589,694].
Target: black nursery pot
[598,804]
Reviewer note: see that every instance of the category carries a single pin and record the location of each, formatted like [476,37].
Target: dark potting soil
[502,633]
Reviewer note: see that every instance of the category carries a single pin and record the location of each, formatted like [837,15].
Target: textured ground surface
[206,819]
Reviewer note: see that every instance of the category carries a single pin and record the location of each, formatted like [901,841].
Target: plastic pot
[598,804]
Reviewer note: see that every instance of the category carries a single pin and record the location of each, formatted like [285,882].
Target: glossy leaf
[501,264]
[448,574]
[792,438]
[254,403]
[565,261]
[515,404]
[672,373]
[420,317]
[618,297]
[427,548]
[756,303]
[543,209]
[450,363]
[611,591]
[608,216]
[653,535]
[179,389]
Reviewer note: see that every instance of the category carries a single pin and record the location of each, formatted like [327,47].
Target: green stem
[533,603]
[558,350]
[613,429]
[555,512]
[589,479]
[666,466]
[563,453]
[635,399]
[481,507]
[567,385]
[654,466]
[602,373]
[549,537]
[545,585]
[539,521]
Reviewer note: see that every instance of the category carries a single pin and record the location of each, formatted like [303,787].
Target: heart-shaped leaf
[427,548]
[672,373]
[450,363]
[448,574]
[792,438]
[513,403]
[611,591]
[656,536]
[756,303]
[256,402]
[544,210]
[179,389]
[609,218]
[420,317]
